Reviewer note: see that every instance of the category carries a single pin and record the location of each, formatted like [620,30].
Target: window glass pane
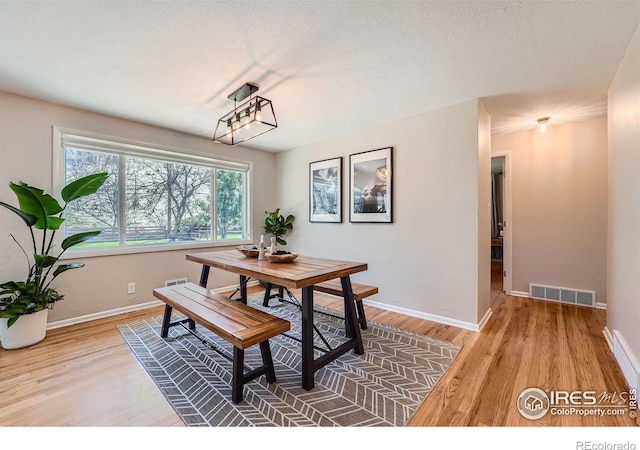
[153,198]
[100,210]
[166,202]
[230,204]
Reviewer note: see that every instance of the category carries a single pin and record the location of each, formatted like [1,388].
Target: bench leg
[166,321]
[350,315]
[237,382]
[361,317]
[267,360]
[267,294]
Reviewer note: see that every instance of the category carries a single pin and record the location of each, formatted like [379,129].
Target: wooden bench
[333,287]
[239,324]
[360,291]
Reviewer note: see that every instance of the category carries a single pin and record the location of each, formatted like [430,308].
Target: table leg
[204,276]
[351,319]
[308,369]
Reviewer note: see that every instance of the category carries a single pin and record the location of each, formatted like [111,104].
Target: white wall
[26,155]
[623,268]
[427,260]
[559,205]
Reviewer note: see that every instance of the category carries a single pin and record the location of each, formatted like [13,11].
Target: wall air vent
[563,295]
[176,281]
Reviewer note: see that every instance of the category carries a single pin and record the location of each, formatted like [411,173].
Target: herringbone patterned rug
[383,387]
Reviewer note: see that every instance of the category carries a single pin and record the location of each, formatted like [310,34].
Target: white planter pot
[27,330]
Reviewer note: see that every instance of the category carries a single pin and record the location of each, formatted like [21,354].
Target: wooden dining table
[303,273]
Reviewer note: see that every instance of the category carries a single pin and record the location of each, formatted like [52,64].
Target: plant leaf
[45,260]
[76,239]
[29,220]
[64,267]
[35,202]
[84,186]
[53,223]
[10,285]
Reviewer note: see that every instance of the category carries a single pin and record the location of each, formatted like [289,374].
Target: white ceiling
[330,67]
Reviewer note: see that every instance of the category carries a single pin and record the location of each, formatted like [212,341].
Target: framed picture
[371,175]
[325,191]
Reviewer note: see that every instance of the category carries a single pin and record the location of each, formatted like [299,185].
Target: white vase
[27,330]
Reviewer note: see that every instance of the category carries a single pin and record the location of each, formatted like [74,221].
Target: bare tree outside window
[99,211]
[164,202]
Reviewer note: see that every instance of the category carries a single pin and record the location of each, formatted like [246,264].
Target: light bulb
[543,124]
[258,111]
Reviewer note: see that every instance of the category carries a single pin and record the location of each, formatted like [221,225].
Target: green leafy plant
[40,211]
[278,225]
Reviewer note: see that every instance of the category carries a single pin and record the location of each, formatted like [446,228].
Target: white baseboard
[432,317]
[601,305]
[629,366]
[627,359]
[485,319]
[519,294]
[102,314]
[609,338]
[123,310]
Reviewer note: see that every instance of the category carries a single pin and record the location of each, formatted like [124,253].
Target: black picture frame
[325,191]
[371,186]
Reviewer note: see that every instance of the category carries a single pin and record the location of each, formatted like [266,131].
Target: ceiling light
[249,119]
[543,123]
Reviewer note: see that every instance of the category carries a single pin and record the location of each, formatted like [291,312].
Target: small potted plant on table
[278,225]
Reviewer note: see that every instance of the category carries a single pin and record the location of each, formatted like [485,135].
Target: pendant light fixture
[251,118]
[542,121]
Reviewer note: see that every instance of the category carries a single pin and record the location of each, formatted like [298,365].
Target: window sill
[92,253]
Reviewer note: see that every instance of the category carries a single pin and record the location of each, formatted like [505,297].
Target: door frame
[508,228]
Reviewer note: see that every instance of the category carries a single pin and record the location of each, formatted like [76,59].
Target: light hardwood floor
[86,375]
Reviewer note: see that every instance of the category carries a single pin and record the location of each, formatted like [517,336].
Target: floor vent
[563,295]
[626,360]
[176,281]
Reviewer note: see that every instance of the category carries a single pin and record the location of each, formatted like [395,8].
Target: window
[154,199]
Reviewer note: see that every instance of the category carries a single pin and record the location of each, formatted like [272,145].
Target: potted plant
[278,225]
[24,305]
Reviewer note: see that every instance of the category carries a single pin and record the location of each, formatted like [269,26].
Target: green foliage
[278,225]
[20,298]
[229,200]
[41,211]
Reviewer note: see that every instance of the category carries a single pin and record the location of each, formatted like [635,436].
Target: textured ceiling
[330,67]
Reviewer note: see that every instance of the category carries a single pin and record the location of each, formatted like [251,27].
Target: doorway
[500,223]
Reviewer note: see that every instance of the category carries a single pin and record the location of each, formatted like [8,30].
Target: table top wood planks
[302,272]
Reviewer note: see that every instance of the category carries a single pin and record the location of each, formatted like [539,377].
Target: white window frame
[119,146]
